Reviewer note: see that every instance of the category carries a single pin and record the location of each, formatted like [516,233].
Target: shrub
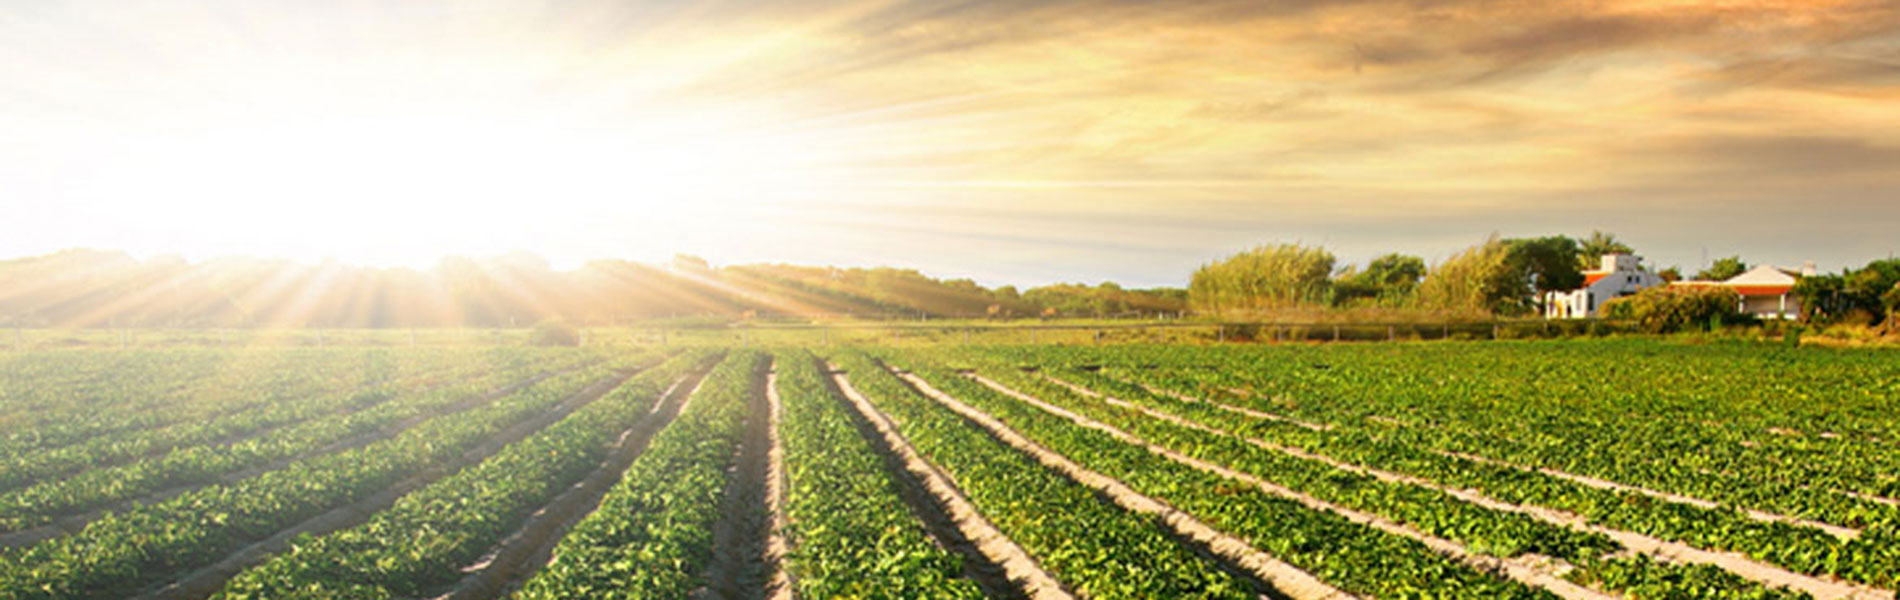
[1672,308]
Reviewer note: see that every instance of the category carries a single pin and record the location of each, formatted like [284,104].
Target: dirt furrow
[1742,565]
[517,557]
[779,586]
[1526,569]
[1283,577]
[738,570]
[1035,582]
[207,580]
[1870,497]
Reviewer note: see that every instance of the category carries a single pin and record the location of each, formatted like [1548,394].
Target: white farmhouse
[1620,275]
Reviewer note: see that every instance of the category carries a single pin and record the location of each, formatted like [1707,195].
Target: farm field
[1582,469]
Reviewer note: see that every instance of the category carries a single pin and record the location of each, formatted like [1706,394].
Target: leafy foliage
[1722,269]
[1670,308]
[652,535]
[1090,544]
[1275,276]
[421,543]
[851,535]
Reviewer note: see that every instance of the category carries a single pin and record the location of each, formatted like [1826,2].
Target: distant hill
[89,288]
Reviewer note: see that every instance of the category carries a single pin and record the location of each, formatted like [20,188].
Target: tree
[1724,268]
[1548,264]
[1266,277]
[1668,308]
[1590,251]
[1821,298]
[1867,295]
[1670,275]
[1477,280]
[1391,279]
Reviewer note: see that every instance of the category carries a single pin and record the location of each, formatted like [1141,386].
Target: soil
[739,570]
[779,585]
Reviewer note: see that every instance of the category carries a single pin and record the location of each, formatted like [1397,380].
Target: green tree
[1590,251]
[1671,274]
[1668,308]
[1266,277]
[1723,268]
[1547,264]
[1477,280]
[1391,279]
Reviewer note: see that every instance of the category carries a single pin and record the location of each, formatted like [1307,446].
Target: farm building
[1620,275]
[1767,291]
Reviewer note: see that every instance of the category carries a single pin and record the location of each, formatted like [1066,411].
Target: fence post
[1220,333]
[1391,333]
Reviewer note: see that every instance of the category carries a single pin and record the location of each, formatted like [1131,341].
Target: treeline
[88,288]
[1508,277]
[1497,277]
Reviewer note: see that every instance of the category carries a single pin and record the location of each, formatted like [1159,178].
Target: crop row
[1781,432]
[250,407]
[162,394]
[651,537]
[421,542]
[851,534]
[1350,556]
[201,464]
[1091,545]
[121,552]
[1871,559]
[1481,530]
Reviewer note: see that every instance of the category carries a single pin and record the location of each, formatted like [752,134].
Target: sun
[402,185]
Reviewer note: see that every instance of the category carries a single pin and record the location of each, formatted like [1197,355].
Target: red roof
[1762,290]
[1589,278]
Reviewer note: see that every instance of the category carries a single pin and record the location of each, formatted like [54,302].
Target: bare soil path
[739,570]
[779,585]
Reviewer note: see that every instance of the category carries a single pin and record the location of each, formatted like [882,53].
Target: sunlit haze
[1014,142]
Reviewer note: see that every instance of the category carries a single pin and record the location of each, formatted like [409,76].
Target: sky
[1012,141]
